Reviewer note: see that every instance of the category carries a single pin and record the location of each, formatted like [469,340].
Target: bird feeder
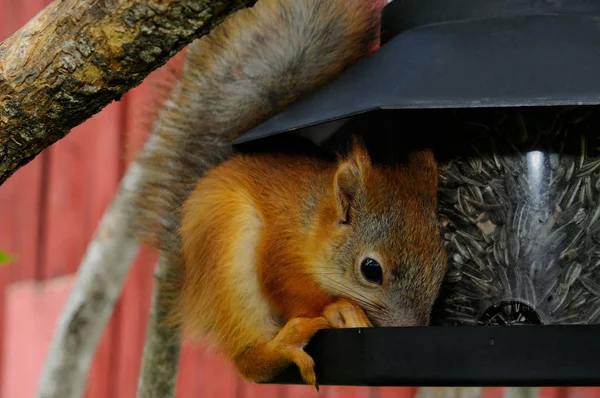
[506,92]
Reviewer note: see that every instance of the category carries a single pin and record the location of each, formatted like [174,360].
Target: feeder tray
[512,87]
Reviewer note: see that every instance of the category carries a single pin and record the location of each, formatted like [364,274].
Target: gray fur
[252,66]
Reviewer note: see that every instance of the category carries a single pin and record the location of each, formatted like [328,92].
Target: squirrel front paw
[345,314]
[261,361]
[292,338]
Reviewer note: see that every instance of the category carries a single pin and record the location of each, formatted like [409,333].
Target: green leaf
[6,258]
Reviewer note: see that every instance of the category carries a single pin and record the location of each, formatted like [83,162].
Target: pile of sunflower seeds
[520,218]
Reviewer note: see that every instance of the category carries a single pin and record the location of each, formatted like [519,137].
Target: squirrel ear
[424,166]
[360,156]
[349,178]
[345,185]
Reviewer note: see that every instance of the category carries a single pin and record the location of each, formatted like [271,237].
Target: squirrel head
[384,249]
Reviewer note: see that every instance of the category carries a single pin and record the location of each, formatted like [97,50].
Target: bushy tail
[258,61]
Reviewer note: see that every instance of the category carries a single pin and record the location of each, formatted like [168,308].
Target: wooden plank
[250,390]
[83,172]
[187,384]
[397,392]
[65,234]
[4,323]
[103,135]
[552,392]
[492,392]
[18,219]
[582,392]
[18,233]
[20,214]
[10,17]
[296,391]
[32,309]
[101,377]
[205,373]
[102,156]
[349,392]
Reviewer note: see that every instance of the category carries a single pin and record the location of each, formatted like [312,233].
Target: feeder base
[455,356]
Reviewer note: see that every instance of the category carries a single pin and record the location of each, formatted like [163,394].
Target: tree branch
[162,346]
[77,56]
[449,392]
[521,392]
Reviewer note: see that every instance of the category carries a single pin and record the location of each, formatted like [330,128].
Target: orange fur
[270,239]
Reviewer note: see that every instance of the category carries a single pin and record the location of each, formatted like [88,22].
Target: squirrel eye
[371,270]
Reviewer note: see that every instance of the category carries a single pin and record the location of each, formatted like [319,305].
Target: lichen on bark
[77,56]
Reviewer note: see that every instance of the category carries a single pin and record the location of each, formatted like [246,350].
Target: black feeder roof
[460,54]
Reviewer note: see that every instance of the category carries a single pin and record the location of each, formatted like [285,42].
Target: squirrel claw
[306,365]
[295,334]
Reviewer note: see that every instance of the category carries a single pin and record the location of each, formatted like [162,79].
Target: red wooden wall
[49,211]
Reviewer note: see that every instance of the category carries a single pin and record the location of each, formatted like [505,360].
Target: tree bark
[521,392]
[161,348]
[77,56]
[449,392]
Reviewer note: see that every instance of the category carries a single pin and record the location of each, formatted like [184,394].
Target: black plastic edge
[514,60]
[457,356]
[402,15]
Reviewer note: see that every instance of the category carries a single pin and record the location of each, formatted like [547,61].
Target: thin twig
[449,392]
[162,346]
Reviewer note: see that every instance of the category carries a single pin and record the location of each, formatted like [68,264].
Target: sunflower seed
[518,233]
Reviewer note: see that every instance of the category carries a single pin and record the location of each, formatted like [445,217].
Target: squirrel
[262,250]
[277,247]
